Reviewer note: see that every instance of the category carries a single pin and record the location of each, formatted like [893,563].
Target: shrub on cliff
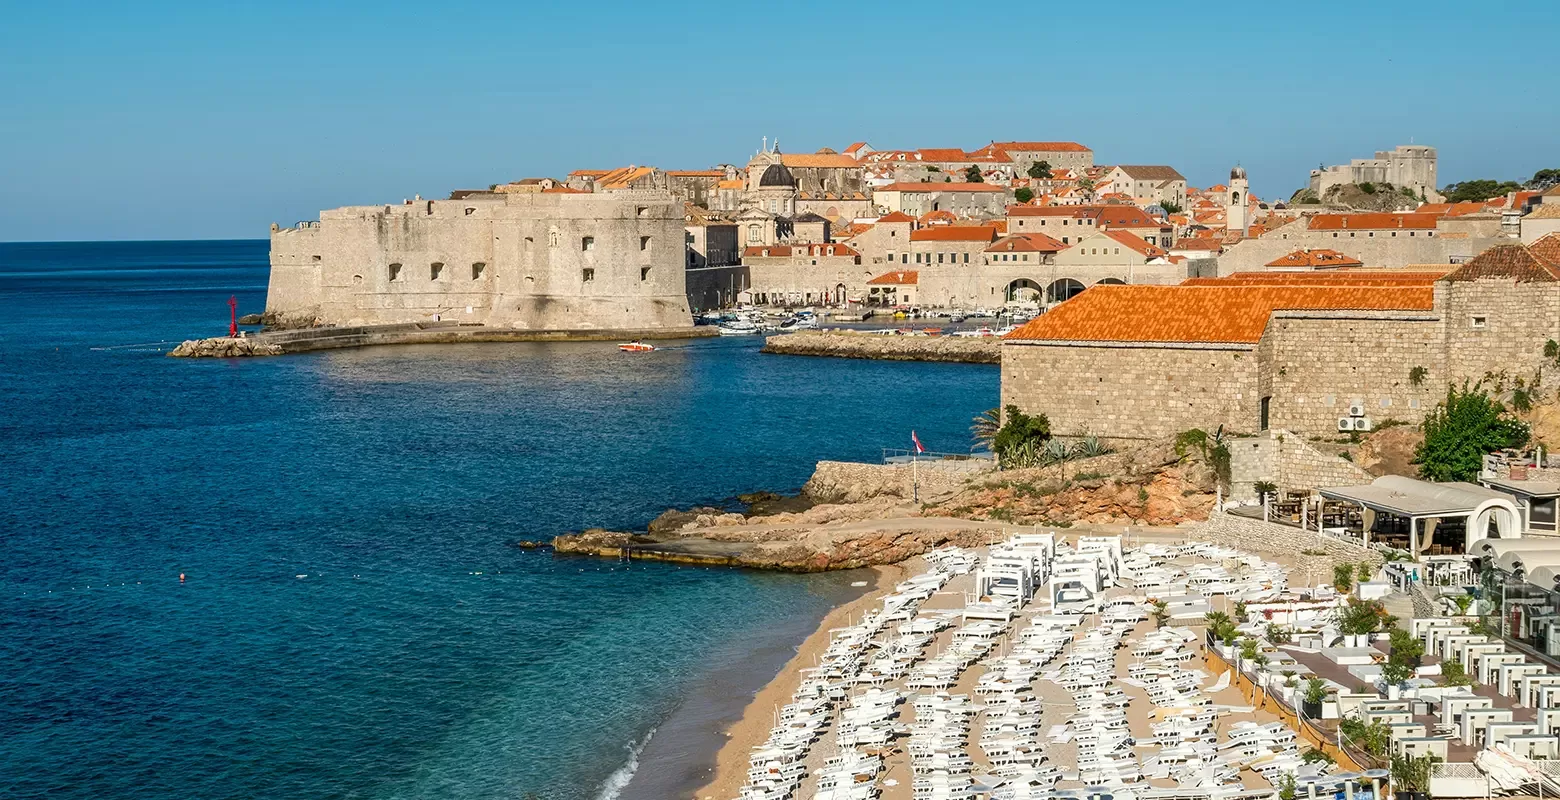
[1020,434]
[1461,430]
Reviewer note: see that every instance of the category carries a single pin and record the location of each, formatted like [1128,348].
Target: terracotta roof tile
[1372,221]
[1547,247]
[1046,147]
[1200,314]
[955,233]
[1545,211]
[942,154]
[896,216]
[1508,261]
[1026,243]
[906,277]
[946,186]
[818,160]
[1133,241]
[1316,259]
[1353,277]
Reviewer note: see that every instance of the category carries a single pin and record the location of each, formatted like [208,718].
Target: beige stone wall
[1320,363]
[1286,459]
[1517,320]
[806,279]
[1379,251]
[1272,540]
[1132,392]
[527,261]
[850,482]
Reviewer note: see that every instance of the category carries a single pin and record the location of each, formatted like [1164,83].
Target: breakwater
[303,340]
[886,347]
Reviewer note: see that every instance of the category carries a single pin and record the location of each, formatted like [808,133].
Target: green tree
[1086,184]
[1544,178]
[984,427]
[1367,187]
[1477,190]
[1040,170]
[1461,430]
[1023,194]
[972,174]
[1343,577]
[1170,208]
[1019,430]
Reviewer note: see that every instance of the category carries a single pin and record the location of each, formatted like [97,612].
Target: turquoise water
[355,621]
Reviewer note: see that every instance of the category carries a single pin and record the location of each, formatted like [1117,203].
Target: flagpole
[915,477]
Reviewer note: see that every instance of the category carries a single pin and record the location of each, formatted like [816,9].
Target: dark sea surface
[355,620]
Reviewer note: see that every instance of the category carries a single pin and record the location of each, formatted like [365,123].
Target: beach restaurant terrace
[1521,584]
[1420,517]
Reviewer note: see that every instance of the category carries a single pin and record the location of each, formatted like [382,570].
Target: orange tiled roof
[939,187]
[1353,277]
[1201,314]
[816,160]
[1026,243]
[1316,259]
[1134,242]
[1547,247]
[942,154]
[781,250]
[941,216]
[955,233]
[624,177]
[1194,243]
[589,173]
[696,173]
[564,190]
[896,216]
[1372,221]
[906,277]
[1510,261]
[1048,147]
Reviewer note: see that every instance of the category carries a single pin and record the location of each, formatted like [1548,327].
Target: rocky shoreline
[850,516]
[852,344]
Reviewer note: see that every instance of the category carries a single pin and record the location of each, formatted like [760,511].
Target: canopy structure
[1480,512]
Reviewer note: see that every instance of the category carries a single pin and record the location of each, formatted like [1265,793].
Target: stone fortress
[553,259]
[1407,165]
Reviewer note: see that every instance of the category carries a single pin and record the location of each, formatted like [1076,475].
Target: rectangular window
[939,258]
[644,244]
[966,258]
[587,244]
[644,273]
[588,274]
[1479,322]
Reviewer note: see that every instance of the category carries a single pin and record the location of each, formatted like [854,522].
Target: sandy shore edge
[731,763]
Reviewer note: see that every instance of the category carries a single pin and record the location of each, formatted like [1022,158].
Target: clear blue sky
[211,120]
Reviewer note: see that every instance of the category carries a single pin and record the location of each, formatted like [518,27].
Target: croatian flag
[918,447]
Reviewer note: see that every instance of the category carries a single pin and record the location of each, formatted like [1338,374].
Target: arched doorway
[839,294]
[1063,289]
[1022,290]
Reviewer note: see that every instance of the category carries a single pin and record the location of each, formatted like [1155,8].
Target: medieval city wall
[1321,362]
[1135,392]
[1497,325]
[527,261]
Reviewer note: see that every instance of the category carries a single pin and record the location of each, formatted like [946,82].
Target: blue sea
[354,620]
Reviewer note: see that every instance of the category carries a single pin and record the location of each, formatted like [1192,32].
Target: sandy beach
[731,763]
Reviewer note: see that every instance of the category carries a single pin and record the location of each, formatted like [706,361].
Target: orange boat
[636,347]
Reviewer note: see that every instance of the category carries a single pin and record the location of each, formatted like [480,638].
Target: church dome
[777,175]
[1238,173]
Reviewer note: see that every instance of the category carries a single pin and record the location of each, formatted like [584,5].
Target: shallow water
[355,621]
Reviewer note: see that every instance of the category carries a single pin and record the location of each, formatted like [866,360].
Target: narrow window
[395,272]
[588,244]
[477,268]
[644,244]
[588,274]
[644,273]
[640,211]
[435,270]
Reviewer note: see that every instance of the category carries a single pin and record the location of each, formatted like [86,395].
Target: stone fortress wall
[539,261]
[1408,165]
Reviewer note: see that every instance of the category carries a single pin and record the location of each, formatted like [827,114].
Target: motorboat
[739,327]
[636,347]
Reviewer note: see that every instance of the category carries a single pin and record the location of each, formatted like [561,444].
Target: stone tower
[1237,215]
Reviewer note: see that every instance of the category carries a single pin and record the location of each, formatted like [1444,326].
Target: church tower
[1237,214]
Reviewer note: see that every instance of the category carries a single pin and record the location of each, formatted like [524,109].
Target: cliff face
[839,344]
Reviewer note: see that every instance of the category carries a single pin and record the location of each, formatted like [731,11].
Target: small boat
[636,347]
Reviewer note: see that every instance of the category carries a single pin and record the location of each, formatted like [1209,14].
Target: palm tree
[984,427]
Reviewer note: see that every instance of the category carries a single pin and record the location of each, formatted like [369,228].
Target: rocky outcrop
[1390,451]
[846,344]
[1150,485]
[847,482]
[224,347]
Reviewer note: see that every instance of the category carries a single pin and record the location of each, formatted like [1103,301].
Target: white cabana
[1486,513]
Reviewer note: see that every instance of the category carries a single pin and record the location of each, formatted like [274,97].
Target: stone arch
[1022,290]
[1062,289]
[1110,281]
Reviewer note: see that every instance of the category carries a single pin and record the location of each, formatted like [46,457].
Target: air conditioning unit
[1345,423]
[1362,423]
[1356,409]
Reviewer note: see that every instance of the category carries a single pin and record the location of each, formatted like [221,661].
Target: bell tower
[1237,214]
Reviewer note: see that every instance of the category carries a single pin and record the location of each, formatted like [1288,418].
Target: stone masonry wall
[1322,362]
[1289,461]
[1271,540]
[1517,320]
[1382,251]
[1143,392]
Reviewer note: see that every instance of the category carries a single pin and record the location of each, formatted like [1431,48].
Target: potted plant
[1412,776]
[1315,695]
[1161,612]
[1394,674]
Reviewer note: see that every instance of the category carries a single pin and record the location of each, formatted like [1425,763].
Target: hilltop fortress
[553,260]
